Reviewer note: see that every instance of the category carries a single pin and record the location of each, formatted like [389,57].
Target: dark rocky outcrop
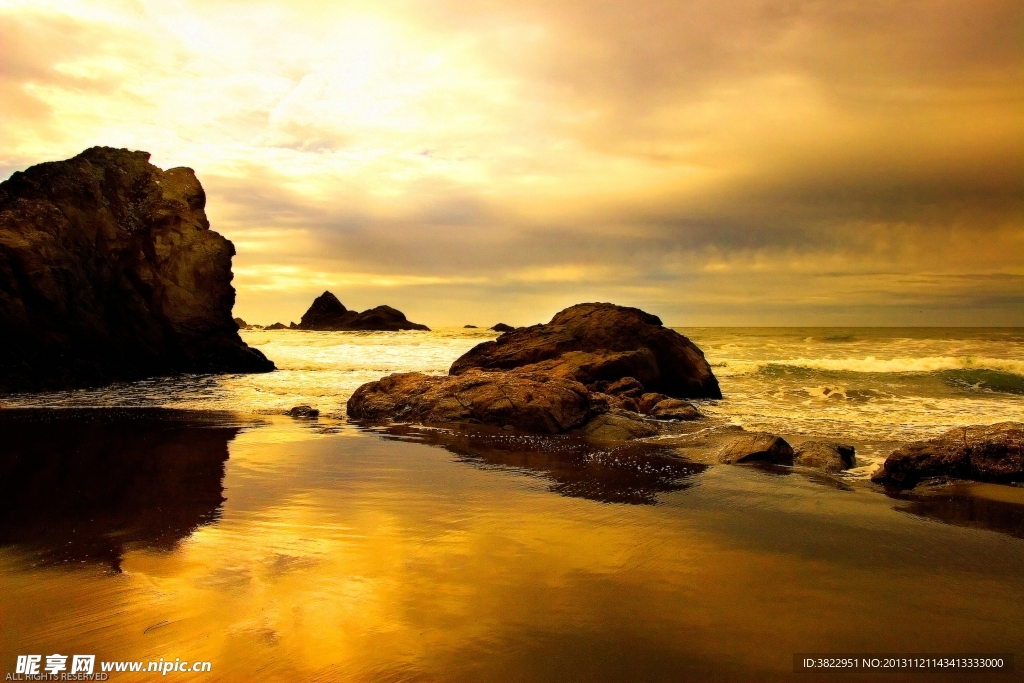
[601,342]
[276,326]
[502,327]
[304,411]
[327,314]
[242,325]
[469,327]
[531,402]
[824,455]
[754,447]
[109,271]
[984,453]
[587,370]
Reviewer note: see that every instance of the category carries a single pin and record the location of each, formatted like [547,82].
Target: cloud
[761,162]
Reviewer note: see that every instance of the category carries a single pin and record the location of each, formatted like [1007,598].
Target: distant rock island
[109,271]
[327,313]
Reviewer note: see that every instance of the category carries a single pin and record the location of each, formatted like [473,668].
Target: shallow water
[281,549]
[288,549]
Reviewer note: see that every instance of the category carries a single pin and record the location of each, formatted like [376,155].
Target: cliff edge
[109,271]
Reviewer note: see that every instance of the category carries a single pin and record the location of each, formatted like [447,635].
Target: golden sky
[750,162]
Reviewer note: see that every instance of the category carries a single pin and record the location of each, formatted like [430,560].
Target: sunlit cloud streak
[753,162]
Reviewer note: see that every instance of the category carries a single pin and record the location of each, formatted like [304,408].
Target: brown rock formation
[532,402]
[328,314]
[825,455]
[601,342]
[502,327]
[675,409]
[648,401]
[109,271]
[756,448]
[617,426]
[984,453]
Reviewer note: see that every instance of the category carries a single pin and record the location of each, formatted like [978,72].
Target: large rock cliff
[109,271]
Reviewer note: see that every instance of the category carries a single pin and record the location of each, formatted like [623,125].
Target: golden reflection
[348,557]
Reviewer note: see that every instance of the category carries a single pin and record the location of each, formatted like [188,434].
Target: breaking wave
[870,364]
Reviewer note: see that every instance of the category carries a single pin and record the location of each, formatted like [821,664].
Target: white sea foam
[871,364]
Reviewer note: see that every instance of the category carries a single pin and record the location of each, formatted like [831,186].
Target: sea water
[858,384]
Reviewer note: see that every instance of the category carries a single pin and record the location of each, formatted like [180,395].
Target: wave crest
[870,364]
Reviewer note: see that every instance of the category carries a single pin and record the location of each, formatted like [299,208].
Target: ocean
[873,387]
[188,519]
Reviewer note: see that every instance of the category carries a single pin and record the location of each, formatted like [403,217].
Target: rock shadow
[79,486]
[632,473]
[992,507]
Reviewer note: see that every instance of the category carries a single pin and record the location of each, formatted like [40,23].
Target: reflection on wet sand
[79,486]
[633,473]
[339,555]
[993,507]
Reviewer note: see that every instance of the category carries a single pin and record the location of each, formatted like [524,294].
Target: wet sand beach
[281,549]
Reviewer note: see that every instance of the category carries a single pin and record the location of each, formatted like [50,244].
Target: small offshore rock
[755,447]
[469,327]
[502,327]
[276,326]
[825,455]
[328,314]
[242,325]
[983,453]
[304,411]
[675,409]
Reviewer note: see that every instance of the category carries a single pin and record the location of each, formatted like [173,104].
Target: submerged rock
[109,271]
[825,455]
[531,402]
[328,314]
[304,411]
[756,447]
[984,453]
[601,342]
